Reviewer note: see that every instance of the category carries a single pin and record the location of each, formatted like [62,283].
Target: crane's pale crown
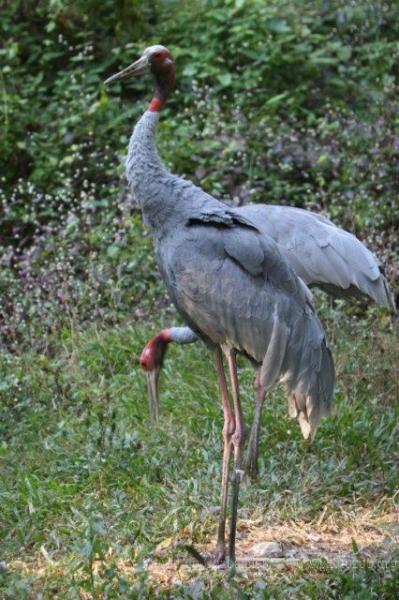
[154,58]
[154,50]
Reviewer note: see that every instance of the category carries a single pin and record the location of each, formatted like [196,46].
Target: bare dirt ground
[260,551]
[290,545]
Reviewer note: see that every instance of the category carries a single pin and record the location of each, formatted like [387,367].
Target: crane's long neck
[147,177]
[150,182]
[166,200]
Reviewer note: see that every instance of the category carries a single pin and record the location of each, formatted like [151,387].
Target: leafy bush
[270,63]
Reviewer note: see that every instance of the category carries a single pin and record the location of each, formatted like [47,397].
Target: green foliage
[91,493]
[303,67]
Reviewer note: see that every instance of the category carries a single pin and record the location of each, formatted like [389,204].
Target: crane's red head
[159,61]
[154,351]
[151,360]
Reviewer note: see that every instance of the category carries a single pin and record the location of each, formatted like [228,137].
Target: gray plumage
[323,254]
[230,281]
[182,335]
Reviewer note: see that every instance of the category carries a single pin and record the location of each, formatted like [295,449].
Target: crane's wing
[219,216]
[322,253]
[246,249]
[234,288]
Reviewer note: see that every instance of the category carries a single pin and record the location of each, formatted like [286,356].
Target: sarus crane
[231,285]
[322,254]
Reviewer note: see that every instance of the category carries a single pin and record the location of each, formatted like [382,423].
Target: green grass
[90,490]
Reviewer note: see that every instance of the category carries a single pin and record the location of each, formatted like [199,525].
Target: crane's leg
[251,464]
[228,430]
[238,442]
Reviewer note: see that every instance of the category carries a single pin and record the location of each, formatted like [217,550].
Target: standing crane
[231,285]
[321,253]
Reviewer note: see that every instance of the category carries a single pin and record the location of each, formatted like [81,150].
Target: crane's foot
[220,554]
[251,467]
[220,559]
[251,474]
[234,512]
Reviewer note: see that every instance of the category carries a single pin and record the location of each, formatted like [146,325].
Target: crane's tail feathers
[307,371]
[270,371]
[309,403]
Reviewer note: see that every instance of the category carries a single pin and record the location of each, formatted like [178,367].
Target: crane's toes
[220,554]
[246,480]
[251,472]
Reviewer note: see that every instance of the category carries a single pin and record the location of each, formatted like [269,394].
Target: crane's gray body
[321,253]
[231,283]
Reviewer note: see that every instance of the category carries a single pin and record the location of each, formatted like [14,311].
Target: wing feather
[323,254]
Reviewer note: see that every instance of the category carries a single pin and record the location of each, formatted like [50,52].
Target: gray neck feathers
[164,198]
[147,177]
[142,152]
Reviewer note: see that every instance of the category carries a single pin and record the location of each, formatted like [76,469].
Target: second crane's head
[156,60]
[151,361]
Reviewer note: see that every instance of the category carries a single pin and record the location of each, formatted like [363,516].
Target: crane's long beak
[134,70]
[153,395]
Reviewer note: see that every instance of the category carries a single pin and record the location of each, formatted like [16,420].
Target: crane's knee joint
[229,427]
[238,437]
